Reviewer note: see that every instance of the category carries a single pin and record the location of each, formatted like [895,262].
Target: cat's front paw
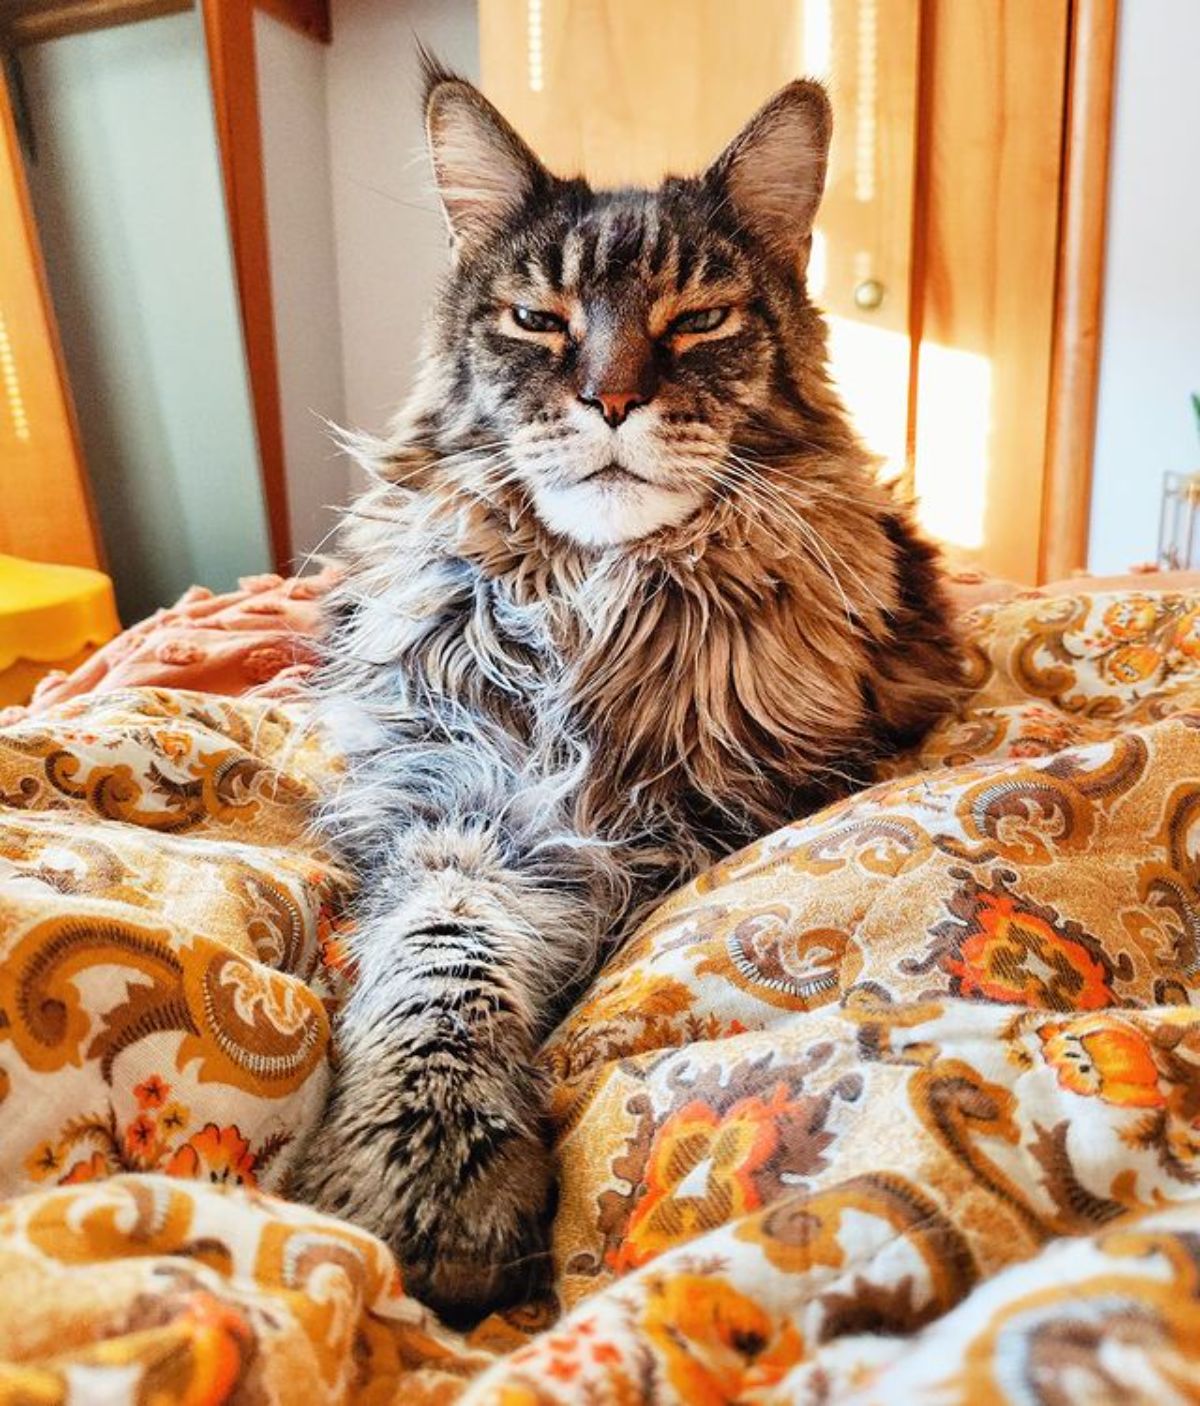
[455,1174]
[485,1244]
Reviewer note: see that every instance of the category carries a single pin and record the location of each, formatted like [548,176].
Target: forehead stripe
[685,262]
[588,247]
[552,263]
[625,244]
[660,251]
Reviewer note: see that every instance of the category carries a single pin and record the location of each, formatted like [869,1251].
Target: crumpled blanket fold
[901,1103]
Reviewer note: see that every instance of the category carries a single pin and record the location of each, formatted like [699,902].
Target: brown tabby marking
[625,595]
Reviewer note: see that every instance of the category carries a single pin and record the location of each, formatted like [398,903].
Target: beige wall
[391,242]
[292,74]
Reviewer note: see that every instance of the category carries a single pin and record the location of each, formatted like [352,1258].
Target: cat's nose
[614,405]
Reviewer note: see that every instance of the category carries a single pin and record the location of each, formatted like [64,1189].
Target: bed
[902,1103]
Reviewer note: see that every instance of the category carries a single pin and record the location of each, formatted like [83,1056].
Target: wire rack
[1177,524]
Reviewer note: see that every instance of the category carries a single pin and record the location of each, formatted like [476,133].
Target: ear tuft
[774,169]
[433,72]
[484,171]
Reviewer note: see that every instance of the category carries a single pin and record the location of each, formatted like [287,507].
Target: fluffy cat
[625,595]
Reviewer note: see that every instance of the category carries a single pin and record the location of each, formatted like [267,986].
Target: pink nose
[615,405]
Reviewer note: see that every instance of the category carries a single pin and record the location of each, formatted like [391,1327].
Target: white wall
[391,240]
[126,187]
[292,71]
[1150,355]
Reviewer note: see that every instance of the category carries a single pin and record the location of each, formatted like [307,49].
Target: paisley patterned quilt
[901,1104]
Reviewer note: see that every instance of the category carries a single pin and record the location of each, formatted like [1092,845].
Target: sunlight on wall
[953,444]
[533,34]
[815,36]
[868,91]
[11,383]
[870,369]
[869,366]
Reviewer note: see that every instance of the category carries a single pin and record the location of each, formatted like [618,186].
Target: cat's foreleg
[435,1136]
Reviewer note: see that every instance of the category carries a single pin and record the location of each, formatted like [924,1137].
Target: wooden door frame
[36,21]
[233,66]
[1078,303]
[46,507]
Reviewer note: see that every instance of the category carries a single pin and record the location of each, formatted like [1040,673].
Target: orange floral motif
[94,1168]
[173,1118]
[150,1142]
[216,1154]
[46,1160]
[141,1140]
[175,745]
[718,1345]
[335,956]
[1041,732]
[1004,948]
[1130,617]
[151,1092]
[1185,638]
[1133,663]
[1103,1057]
[700,1173]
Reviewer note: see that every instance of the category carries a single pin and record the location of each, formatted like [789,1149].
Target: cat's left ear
[773,172]
[485,173]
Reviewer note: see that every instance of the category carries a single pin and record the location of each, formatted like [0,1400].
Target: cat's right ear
[773,172]
[484,171]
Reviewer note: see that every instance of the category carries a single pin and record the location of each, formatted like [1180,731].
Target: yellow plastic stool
[51,617]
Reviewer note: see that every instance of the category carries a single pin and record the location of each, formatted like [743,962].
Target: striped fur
[624,595]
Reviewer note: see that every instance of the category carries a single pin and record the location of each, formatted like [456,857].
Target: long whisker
[299,571]
[807,525]
[810,538]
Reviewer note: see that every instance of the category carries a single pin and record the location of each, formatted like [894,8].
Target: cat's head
[613,349]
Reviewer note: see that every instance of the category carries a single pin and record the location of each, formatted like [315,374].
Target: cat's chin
[605,512]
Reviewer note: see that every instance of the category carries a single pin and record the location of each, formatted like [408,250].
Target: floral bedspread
[900,1104]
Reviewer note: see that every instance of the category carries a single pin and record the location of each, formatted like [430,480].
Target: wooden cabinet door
[45,509]
[993,77]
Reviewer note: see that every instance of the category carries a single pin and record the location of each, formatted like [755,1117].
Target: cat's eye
[536,320]
[704,320]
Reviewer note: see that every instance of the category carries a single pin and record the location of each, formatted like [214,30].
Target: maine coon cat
[624,596]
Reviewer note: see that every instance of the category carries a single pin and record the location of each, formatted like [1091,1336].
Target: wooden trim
[986,247]
[46,510]
[35,21]
[918,261]
[1071,421]
[229,26]
[310,17]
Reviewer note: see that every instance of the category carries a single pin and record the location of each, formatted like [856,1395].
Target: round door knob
[868,295]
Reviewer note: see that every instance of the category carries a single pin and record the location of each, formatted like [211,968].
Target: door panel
[993,75]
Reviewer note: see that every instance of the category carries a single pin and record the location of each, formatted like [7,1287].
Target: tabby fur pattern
[625,594]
